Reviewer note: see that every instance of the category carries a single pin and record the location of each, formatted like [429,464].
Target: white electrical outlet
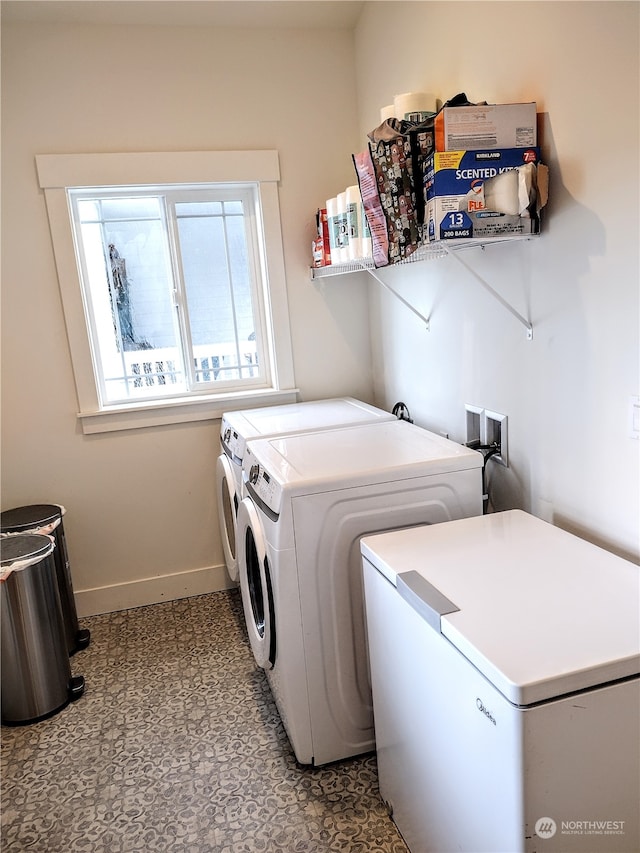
[493,430]
[473,425]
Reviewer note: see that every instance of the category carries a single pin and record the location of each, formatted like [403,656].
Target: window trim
[57,172]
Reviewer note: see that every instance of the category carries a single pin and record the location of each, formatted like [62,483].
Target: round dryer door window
[255,584]
[227,512]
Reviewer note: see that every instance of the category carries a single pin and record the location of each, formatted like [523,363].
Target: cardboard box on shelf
[481,127]
[321,247]
[443,224]
[483,194]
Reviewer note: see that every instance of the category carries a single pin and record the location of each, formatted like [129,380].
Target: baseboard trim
[124,596]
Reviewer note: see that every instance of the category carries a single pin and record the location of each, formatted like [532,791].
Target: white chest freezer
[505,661]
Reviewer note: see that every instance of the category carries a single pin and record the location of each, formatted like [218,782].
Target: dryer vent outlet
[473,425]
[494,433]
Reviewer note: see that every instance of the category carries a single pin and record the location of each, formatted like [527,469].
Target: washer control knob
[254,473]
[227,435]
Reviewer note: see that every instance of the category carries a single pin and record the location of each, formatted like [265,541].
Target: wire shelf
[431,251]
[424,252]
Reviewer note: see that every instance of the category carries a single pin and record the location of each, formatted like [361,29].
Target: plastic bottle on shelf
[342,237]
[354,221]
[366,244]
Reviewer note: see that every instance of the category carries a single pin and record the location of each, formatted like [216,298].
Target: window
[170,282]
[173,290]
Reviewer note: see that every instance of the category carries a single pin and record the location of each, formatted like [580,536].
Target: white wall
[141,519]
[566,392]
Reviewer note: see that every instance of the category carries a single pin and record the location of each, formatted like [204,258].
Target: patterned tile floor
[176,746]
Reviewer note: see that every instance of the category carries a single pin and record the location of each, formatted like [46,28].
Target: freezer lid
[540,612]
[359,454]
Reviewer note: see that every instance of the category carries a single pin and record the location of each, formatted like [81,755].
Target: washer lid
[358,455]
[302,417]
[539,612]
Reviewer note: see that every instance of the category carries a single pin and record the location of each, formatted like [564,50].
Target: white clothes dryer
[239,427]
[309,499]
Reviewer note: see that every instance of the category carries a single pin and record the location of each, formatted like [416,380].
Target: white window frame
[59,172]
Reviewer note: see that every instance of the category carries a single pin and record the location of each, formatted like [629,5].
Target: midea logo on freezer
[481,707]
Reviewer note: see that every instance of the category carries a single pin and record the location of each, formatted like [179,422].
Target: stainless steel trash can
[36,676]
[47,518]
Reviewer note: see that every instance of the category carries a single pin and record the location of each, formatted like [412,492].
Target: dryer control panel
[262,486]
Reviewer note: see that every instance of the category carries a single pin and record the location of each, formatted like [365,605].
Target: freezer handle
[425,598]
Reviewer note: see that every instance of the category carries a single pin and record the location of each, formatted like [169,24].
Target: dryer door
[255,584]
[227,512]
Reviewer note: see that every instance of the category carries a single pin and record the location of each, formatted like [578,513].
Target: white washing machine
[239,427]
[505,660]
[310,498]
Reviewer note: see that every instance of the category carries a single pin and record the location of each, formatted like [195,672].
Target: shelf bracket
[526,323]
[425,320]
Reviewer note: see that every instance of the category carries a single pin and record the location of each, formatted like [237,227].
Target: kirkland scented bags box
[484,194]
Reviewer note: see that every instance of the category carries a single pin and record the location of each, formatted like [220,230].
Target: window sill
[178,411]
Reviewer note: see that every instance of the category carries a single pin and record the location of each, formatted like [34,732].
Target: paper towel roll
[354,222]
[414,106]
[342,235]
[501,193]
[332,223]
[387,112]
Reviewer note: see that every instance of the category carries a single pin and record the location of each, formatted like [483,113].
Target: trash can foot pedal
[83,638]
[76,687]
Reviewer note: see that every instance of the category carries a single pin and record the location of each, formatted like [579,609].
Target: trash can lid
[25,546]
[29,517]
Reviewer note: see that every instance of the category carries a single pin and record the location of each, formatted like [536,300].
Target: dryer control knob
[254,473]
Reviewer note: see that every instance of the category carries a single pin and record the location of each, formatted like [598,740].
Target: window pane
[213,249]
[130,208]
[130,291]
[233,207]
[200,208]
[89,210]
